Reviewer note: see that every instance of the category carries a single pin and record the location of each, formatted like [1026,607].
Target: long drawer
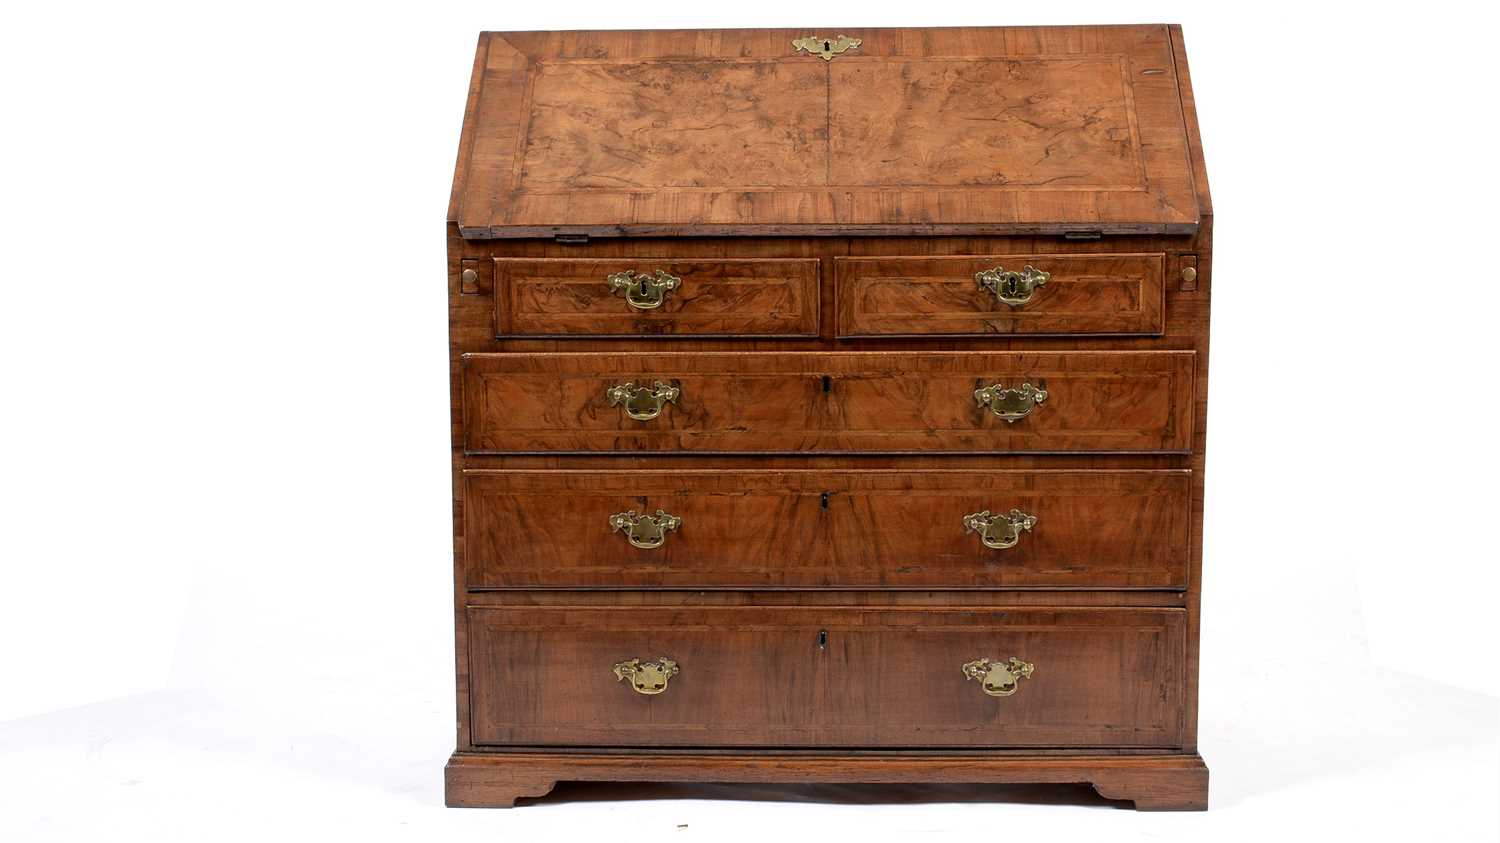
[826,677]
[809,402]
[826,529]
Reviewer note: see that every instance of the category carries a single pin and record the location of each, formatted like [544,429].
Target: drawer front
[826,677]
[803,402]
[826,529]
[663,297]
[1000,294]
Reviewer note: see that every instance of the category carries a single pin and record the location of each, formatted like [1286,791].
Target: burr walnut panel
[821,529]
[570,297]
[1012,123]
[995,131]
[826,677]
[615,125]
[831,402]
[1086,294]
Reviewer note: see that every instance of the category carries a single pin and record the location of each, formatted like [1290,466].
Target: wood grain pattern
[1176,782]
[638,206]
[1000,130]
[944,597]
[1034,123]
[913,296]
[851,401]
[826,677]
[648,125]
[811,529]
[748,296]
[1186,329]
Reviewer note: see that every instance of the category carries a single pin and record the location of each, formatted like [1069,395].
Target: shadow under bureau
[829,407]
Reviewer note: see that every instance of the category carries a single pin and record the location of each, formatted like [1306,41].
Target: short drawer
[826,529]
[771,297]
[810,402]
[826,676]
[1118,294]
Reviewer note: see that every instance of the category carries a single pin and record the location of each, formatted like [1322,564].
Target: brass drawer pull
[1012,288]
[999,531]
[643,292]
[645,531]
[647,678]
[642,403]
[1012,404]
[999,679]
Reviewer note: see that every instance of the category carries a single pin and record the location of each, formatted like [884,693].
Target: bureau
[829,406]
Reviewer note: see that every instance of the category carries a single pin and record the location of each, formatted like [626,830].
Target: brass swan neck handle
[1000,530]
[1012,288]
[649,678]
[645,531]
[1011,403]
[999,678]
[643,292]
[642,403]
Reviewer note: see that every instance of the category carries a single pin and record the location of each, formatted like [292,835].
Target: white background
[224,532]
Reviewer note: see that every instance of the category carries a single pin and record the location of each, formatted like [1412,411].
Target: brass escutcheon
[645,531]
[647,678]
[1012,288]
[1001,530]
[1011,404]
[998,679]
[826,48]
[643,292]
[642,403]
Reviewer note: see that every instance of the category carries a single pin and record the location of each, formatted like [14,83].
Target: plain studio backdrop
[226,611]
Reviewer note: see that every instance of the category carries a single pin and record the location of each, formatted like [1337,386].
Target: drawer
[826,676]
[802,402]
[540,297]
[826,529]
[1001,294]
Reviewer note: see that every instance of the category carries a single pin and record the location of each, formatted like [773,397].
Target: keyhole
[822,639]
[827,47]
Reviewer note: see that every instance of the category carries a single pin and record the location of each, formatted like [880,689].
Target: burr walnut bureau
[828,406]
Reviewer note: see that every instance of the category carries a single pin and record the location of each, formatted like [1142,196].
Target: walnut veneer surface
[897,473]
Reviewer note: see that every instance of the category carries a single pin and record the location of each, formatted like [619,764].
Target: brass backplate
[642,403]
[1001,530]
[827,48]
[1012,288]
[643,292]
[1013,403]
[999,679]
[645,531]
[649,678]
